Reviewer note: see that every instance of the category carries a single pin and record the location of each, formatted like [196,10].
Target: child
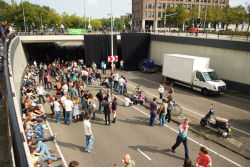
[114,109]
[75,109]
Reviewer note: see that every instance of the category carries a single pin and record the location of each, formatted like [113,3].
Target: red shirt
[204,160]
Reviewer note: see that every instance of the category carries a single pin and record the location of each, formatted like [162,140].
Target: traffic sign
[113,59]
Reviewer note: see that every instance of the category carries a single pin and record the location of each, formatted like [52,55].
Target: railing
[20,148]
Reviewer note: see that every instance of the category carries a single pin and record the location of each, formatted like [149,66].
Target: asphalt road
[131,134]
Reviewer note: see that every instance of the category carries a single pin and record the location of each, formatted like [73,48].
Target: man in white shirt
[65,88]
[127,102]
[57,110]
[39,90]
[68,105]
[120,86]
[88,134]
[63,99]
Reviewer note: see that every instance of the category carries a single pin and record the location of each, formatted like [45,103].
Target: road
[148,146]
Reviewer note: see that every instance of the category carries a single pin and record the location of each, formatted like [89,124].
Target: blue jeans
[120,90]
[51,138]
[89,143]
[58,116]
[68,115]
[162,120]
[100,107]
[111,86]
[84,105]
[180,140]
[44,149]
[152,118]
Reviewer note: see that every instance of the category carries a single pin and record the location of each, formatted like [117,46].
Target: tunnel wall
[17,63]
[230,59]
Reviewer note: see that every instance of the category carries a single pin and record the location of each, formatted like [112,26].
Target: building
[147,14]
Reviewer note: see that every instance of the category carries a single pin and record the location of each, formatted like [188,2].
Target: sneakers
[88,151]
[173,151]
[58,159]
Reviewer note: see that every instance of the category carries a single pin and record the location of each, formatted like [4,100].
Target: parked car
[193,30]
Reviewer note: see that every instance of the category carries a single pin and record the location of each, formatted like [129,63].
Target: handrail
[18,137]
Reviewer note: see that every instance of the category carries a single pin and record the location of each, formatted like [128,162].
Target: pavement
[236,143]
[148,146]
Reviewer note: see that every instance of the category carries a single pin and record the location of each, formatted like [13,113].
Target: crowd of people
[69,81]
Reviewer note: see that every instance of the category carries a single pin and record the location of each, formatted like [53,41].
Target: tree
[238,15]
[217,15]
[96,24]
[182,15]
[118,23]
[227,16]
[170,20]
[127,22]
[106,23]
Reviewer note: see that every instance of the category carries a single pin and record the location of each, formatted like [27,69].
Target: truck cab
[208,82]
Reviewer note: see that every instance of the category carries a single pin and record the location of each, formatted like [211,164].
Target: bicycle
[176,109]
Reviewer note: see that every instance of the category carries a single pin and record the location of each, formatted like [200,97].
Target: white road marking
[196,142]
[144,154]
[192,111]
[57,146]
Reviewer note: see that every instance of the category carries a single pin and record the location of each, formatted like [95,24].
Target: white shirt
[68,105]
[39,90]
[63,98]
[65,88]
[161,89]
[104,66]
[56,106]
[121,82]
[116,77]
[86,125]
[127,101]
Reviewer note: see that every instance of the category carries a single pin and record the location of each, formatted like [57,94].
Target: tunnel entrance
[48,52]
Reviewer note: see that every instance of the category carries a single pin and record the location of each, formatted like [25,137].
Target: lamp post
[112,54]
[24,23]
[198,19]
[41,19]
[204,25]
[84,15]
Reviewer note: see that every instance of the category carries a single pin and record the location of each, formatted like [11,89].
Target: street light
[41,19]
[23,18]
[112,54]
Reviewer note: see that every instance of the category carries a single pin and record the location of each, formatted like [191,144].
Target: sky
[98,8]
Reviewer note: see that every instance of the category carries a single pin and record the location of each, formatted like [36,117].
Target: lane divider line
[145,155]
[193,111]
[196,142]
[56,144]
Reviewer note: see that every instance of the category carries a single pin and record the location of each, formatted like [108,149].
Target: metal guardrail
[18,137]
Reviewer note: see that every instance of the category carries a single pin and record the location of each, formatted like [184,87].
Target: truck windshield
[211,76]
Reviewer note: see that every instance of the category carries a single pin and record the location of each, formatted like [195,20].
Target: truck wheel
[204,91]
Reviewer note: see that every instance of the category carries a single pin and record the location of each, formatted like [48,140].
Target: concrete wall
[18,63]
[232,65]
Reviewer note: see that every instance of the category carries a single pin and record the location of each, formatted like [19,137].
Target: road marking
[196,142]
[193,111]
[144,154]
[57,146]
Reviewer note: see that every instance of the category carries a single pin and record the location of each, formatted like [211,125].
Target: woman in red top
[204,159]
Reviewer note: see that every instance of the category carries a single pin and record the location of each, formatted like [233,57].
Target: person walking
[92,105]
[204,160]
[88,134]
[182,137]
[114,109]
[153,111]
[163,112]
[68,105]
[121,65]
[120,86]
[106,110]
[40,93]
[57,110]
[76,109]
[73,92]
[104,68]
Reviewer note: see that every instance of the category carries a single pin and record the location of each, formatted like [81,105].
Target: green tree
[238,15]
[96,24]
[127,22]
[170,20]
[217,15]
[227,16]
[118,23]
[182,15]
[106,23]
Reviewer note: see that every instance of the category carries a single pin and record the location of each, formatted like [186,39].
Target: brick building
[147,14]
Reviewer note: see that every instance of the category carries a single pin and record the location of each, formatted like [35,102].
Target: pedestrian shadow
[71,145]
[136,121]
[154,149]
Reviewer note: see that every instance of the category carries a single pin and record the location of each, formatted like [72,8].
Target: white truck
[193,72]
